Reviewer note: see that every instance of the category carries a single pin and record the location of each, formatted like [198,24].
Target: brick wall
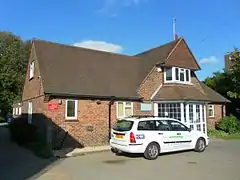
[32,88]
[150,84]
[211,121]
[137,109]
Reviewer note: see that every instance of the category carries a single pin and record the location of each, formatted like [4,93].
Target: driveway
[221,161]
[17,163]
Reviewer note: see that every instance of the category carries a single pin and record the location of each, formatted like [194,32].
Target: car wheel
[116,151]
[152,151]
[200,145]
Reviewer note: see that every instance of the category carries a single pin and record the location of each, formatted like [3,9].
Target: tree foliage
[227,83]
[14,54]
[235,74]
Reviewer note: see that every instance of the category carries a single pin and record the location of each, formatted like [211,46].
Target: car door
[146,132]
[164,135]
[180,135]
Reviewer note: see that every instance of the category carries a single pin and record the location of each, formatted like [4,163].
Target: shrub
[217,133]
[22,132]
[229,124]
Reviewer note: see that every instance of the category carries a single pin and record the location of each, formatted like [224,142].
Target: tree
[235,74]
[227,83]
[14,54]
[220,82]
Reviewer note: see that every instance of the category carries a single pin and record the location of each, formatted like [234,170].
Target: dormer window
[31,70]
[177,75]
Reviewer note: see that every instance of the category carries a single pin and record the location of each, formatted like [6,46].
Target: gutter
[93,97]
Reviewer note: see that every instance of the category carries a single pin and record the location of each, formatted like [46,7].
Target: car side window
[177,126]
[162,125]
[147,125]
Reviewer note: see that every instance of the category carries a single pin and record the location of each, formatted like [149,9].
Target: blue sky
[211,28]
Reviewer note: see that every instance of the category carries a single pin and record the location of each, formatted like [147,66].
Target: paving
[220,161]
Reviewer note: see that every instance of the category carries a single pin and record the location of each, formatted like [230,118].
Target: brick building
[83,91]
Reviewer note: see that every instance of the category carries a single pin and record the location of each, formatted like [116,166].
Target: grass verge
[222,135]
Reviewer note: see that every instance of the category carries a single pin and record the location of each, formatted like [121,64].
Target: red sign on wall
[52,106]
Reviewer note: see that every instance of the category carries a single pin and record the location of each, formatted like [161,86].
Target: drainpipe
[111,102]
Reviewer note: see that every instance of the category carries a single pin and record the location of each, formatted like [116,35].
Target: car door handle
[178,133]
[160,133]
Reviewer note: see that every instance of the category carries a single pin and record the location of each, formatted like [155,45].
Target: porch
[191,113]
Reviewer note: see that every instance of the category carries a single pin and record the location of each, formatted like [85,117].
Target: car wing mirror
[189,129]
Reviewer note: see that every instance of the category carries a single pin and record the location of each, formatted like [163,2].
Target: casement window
[124,109]
[177,75]
[31,70]
[171,110]
[71,109]
[210,110]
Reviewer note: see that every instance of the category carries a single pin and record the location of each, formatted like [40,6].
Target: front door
[196,117]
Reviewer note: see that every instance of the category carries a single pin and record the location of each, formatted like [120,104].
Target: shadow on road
[18,162]
[136,155]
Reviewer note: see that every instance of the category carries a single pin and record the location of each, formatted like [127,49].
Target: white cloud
[211,59]
[100,45]
[112,6]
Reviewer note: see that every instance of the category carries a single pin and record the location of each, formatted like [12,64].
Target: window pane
[210,112]
[177,73]
[120,109]
[128,111]
[190,113]
[198,127]
[187,75]
[128,103]
[147,125]
[168,74]
[70,108]
[123,125]
[204,130]
[182,76]
[162,125]
[172,110]
[198,113]
[176,126]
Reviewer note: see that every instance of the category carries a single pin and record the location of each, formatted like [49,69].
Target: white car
[154,135]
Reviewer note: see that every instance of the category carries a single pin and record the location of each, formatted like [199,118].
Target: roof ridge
[84,49]
[157,47]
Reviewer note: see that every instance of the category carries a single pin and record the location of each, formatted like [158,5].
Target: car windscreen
[123,125]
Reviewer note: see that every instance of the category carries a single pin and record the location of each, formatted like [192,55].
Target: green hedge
[229,124]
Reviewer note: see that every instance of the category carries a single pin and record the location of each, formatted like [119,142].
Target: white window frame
[180,70]
[30,110]
[19,110]
[31,70]
[124,108]
[16,110]
[211,107]
[76,110]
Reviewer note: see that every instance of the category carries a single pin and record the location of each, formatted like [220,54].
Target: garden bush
[229,124]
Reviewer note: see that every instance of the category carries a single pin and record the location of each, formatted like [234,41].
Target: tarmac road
[220,161]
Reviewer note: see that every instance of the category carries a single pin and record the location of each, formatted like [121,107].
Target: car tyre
[200,145]
[152,151]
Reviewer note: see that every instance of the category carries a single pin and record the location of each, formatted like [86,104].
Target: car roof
[147,118]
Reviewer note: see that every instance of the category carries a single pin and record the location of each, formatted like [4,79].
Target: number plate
[119,136]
